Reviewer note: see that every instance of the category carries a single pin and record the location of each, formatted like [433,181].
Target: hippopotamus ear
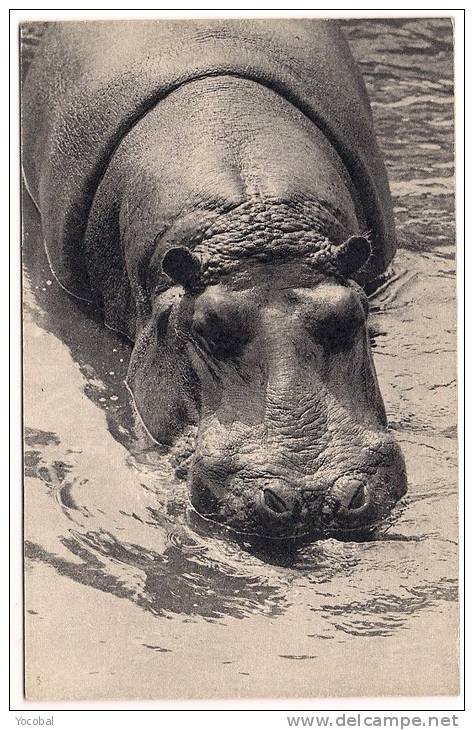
[182,266]
[351,255]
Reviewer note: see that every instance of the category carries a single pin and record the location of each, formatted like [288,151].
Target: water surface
[128,596]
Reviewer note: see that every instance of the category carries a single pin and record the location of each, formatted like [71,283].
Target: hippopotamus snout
[278,510]
[342,494]
[282,508]
[279,503]
[272,509]
[285,503]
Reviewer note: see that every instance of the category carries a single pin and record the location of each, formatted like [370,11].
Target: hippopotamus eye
[337,333]
[335,323]
[223,336]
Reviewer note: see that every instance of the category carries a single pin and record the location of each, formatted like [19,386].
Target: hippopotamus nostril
[277,503]
[349,503]
[274,502]
[358,498]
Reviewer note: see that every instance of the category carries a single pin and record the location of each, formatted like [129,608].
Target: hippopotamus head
[271,359]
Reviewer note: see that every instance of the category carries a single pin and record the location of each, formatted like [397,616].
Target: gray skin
[272,361]
[231,231]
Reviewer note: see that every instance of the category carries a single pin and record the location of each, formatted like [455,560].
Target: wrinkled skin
[279,377]
[269,357]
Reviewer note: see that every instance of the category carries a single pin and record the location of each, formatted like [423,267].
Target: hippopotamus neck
[246,173]
[266,230]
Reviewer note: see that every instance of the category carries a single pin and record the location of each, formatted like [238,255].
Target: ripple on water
[114,515]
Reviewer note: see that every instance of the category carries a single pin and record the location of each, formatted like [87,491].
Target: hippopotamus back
[91,82]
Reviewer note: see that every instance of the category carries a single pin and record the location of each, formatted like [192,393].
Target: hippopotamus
[216,188]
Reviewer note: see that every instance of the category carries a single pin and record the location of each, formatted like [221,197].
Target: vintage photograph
[239,358]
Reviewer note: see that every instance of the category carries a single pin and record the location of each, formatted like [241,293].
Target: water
[129,595]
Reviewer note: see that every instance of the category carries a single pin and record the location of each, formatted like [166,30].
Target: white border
[61,710]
